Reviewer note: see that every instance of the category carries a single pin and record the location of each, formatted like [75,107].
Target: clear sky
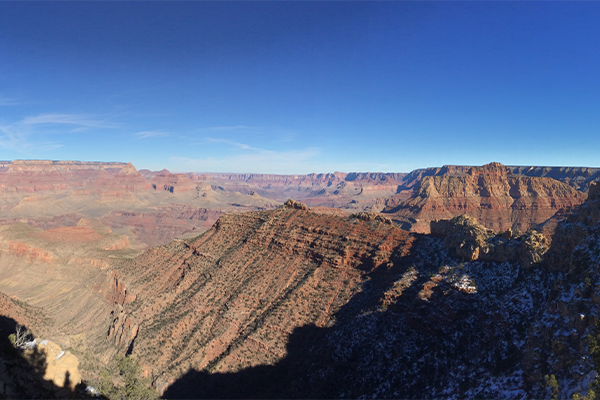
[300,87]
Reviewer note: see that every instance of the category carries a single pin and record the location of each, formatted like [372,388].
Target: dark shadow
[67,382]
[407,349]
[22,371]
[307,349]
[447,343]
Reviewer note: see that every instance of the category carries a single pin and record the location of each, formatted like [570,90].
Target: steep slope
[436,326]
[58,282]
[497,198]
[291,303]
[20,312]
[229,299]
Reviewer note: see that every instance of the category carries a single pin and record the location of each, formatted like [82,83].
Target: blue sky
[300,87]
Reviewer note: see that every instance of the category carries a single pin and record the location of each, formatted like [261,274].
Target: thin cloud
[17,136]
[272,134]
[151,134]
[7,101]
[48,147]
[234,144]
[231,128]
[17,141]
[12,140]
[68,119]
[285,137]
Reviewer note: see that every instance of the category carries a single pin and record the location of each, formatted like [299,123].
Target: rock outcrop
[472,241]
[498,199]
[296,205]
[574,229]
[164,180]
[366,216]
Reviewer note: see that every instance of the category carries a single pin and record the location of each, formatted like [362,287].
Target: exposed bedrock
[230,298]
[498,199]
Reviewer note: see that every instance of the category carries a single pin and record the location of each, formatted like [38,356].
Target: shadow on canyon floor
[23,376]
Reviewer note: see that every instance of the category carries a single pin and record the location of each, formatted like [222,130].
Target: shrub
[133,385]
[552,384]
[20,337]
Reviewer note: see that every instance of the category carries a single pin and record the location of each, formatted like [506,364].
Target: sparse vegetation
[551,384]
[21,336]
[131,384]
[590,395]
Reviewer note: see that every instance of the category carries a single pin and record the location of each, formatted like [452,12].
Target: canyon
[153,208]
[420,284]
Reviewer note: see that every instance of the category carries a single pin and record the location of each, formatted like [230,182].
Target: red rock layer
[156,228]
[71,234]
[497,198]
[29,176]
[164,180]
[230,298]
[25,251]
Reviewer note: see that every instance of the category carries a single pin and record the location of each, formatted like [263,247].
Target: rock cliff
[498,199]
[310,302]
[579,178]
[30,176]
[472,241]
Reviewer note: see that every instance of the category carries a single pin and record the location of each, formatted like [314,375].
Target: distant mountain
[499,199]
[578,177]
[51,194]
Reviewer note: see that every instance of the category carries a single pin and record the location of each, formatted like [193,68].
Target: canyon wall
[228,300]
[497,198]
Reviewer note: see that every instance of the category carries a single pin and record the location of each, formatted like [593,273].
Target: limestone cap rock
[291,203]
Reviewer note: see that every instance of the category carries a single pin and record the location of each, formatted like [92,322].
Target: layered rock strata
[229,299]
[579,178]
[498,199]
